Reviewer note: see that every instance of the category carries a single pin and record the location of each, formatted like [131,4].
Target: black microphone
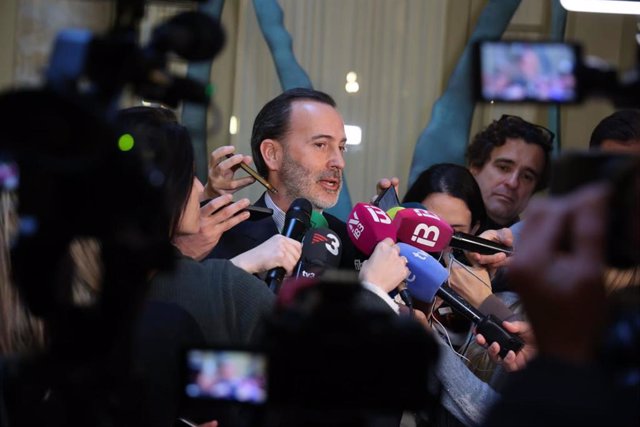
[296,223]
[489,326]
[471,243]
[321,251]
[446,236]
[427,280]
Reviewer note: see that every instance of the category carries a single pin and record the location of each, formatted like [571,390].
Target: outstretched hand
[385,183]
[212,226]
[492,262]
[220,179]
[385,268]
[278,251]
[513,361]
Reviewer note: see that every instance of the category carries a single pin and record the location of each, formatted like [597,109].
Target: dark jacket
[228,303]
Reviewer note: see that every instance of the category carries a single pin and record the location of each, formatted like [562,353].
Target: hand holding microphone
[368,224]
[425,230]
[297,222]
[371,231]
[427,280]
[385,267]
[497,260]
[277,251]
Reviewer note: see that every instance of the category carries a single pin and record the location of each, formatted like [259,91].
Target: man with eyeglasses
[510,161]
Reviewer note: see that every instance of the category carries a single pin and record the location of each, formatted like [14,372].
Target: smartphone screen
[238,376]
[510,71]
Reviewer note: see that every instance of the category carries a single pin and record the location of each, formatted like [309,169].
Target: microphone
[367,225]
[321,250]
[296,223]
[427,281]
[427,231]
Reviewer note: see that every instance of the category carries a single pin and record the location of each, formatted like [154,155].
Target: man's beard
[299,182]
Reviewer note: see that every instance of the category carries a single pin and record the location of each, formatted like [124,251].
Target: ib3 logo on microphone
[378,214]
[355,226]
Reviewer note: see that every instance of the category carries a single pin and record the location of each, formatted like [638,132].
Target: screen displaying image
[230,375]
[518,71]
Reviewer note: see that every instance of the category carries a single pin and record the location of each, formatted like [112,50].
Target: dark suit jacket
[249,234]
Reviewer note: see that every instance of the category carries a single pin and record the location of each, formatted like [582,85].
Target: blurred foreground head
[78,178]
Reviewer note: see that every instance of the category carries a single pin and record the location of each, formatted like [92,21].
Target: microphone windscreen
[318,220]
[297,219]
[299,209]
[427,274]
[367,225]
[422,229]
[296,223]
[321,250]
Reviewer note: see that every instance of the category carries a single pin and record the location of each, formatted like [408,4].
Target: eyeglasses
[546,133]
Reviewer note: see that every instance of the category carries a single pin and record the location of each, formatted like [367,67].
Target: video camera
[97,68]
[548,72]
[332,351]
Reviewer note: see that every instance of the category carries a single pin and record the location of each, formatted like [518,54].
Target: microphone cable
[406,297]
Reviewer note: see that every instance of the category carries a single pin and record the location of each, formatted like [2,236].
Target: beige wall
[8,11]
[38,22]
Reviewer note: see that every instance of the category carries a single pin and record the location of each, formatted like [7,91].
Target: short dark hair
[454,180]
[272,122]
[496,134]
[623,125]
[166,146]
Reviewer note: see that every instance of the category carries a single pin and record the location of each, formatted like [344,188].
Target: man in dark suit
[298,143]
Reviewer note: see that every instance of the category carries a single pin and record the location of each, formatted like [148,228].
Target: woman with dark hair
[450,190]
[226,302]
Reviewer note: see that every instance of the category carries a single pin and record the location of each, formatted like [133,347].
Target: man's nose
[513,180]
[337,159]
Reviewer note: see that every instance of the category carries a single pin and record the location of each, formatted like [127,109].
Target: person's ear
[474,170]
[272,153]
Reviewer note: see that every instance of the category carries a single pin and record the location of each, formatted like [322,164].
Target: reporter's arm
[277,251]
[385,267]
[212,226]
[492,262]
